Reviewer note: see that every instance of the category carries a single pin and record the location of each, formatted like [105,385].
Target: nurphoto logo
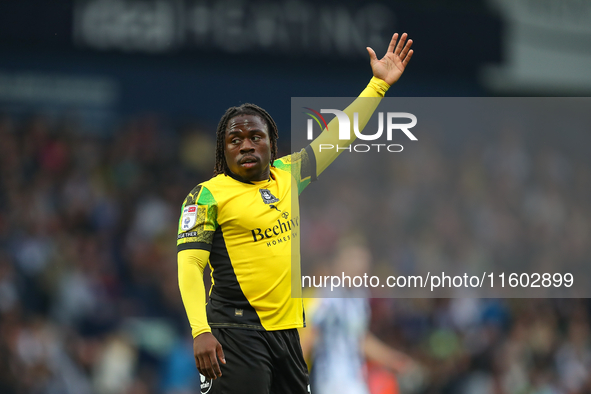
[392,119]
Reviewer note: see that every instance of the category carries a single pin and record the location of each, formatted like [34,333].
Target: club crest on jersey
[268,198]
[189,217]
[205,384]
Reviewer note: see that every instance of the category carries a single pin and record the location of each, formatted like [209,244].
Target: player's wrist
[379,85]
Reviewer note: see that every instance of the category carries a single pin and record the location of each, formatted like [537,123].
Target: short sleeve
[198,221]
[301,165]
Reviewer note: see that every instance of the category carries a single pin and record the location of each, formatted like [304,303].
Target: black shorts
[259,362]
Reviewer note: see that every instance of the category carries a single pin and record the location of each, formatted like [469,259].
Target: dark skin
[248,155]
[248,147]
[207,351]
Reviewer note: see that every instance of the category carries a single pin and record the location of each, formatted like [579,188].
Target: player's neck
[268,178]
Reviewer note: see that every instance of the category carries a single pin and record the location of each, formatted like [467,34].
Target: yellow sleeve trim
[379,85]
[376,88]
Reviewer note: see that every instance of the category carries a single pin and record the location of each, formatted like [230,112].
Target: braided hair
[221,167]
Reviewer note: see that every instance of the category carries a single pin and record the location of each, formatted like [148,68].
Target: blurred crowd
[89,301]
[514,200]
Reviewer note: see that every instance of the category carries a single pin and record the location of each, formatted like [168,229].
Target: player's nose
[246,146]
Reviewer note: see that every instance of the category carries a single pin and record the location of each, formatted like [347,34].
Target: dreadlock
[221,167]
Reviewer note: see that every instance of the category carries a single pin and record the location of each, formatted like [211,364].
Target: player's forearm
[191,264]
[364,106]
[377,351]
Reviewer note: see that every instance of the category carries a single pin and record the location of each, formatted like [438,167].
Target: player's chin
[250,172]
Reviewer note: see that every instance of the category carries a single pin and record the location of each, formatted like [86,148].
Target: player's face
[248,147]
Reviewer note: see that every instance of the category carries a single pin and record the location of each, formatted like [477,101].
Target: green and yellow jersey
[249,230]
[249,233]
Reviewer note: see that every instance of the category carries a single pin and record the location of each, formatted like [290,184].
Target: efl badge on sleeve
[189,217]
[268,198]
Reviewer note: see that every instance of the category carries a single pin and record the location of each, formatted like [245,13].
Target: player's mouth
[249,161]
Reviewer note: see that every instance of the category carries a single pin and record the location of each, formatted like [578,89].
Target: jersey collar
[240,179]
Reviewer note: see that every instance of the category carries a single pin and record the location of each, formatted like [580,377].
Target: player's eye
[235,140]
[256,138]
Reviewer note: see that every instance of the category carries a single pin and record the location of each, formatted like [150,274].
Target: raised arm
[386,71]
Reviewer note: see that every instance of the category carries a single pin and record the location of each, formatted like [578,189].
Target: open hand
[392,65]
